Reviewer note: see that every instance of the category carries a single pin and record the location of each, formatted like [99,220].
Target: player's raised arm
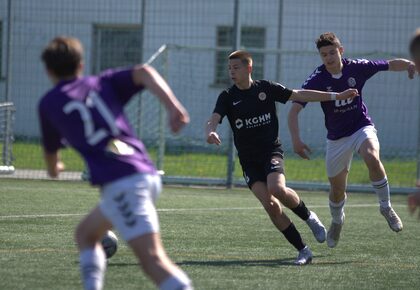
[299,147]
[211,135]
[148,77]
[318,96]
[401,64]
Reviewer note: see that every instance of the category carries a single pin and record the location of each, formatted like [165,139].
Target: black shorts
[257,170]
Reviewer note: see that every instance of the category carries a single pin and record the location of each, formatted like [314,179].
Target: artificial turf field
[222,238]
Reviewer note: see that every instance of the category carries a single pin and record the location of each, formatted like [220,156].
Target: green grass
[222,239]
[401,172]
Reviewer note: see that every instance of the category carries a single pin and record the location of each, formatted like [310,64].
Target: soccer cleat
[333,234]
[304,257]
[392,218]
[317,227]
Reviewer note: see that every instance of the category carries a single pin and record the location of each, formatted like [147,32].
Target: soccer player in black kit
[250,108]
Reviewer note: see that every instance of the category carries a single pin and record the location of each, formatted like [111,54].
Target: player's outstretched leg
[337,215]
[369,150]
[282,222]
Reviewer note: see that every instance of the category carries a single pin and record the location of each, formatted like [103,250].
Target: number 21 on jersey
[93,100]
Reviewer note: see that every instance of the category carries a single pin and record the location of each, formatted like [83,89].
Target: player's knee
[279,191]
[272,208]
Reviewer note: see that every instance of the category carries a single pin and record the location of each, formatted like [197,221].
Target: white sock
[92,268]
[337,211]
[381,188]
[178,281]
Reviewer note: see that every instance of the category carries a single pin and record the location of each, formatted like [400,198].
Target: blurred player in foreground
[349,128]
[414,48]
[88,113]
[251,110]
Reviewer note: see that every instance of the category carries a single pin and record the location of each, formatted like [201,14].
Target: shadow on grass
[259,263]
[223,263]
[245,263]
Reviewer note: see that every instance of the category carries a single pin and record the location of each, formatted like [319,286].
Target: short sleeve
[122,81]
[221,107]
[281,93]
[370,67]
[51,138]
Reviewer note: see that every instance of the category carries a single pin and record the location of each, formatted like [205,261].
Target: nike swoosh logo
[235,103]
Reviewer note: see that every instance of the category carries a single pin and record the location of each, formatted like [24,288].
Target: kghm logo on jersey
[351,82]
[262,96]
[239,123]
[254,121]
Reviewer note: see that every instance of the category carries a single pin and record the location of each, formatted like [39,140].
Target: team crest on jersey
[262,96]
[351,82]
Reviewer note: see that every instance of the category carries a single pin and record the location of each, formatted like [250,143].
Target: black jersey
[252,116]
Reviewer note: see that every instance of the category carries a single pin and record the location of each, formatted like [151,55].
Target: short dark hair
[326,39]
[63,55]
[244,56]
[415,43]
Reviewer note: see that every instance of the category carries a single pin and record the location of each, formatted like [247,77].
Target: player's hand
[411,70]
[414,203]
[347,94]
[178,118]
[213,138]
[302,149]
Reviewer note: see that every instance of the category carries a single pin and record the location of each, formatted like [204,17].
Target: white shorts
[340,152]
[129,203]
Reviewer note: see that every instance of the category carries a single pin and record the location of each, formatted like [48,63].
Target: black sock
[301,211]
[293,236]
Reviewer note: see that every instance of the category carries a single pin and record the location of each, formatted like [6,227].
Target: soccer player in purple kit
[349,127]
[251,111]
[88,114]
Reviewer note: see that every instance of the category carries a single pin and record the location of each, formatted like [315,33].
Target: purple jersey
[88,114]
[343,118]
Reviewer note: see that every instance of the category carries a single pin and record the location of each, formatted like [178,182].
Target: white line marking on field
[58,215]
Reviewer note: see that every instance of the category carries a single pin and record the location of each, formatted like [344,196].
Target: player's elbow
[142,73]
[295,96]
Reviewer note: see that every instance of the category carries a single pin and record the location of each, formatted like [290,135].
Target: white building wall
[363,26]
